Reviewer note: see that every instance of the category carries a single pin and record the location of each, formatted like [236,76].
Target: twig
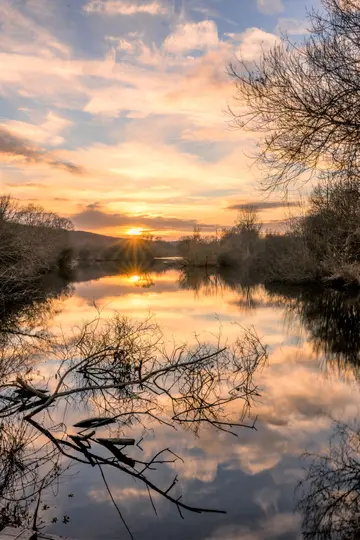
[114,502]
[34,527]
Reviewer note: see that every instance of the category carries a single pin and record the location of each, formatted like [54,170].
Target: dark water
[309,388]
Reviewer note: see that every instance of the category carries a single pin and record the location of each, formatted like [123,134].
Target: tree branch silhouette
[126,372]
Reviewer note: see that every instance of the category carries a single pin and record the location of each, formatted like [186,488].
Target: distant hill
[79,239]
[93,241]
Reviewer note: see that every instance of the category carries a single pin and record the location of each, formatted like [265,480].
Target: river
[307,388]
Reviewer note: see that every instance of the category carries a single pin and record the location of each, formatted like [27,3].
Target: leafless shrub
[32,241]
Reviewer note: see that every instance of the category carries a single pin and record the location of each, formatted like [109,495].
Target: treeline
[119,251]
[323,244]
[32,242]
[137,249]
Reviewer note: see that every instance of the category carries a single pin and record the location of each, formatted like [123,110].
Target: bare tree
[127,375]
[331,224]
[305,98]
[9,208]
[198,249]
[13,212]
[248,220]
[32,241]
[36,216]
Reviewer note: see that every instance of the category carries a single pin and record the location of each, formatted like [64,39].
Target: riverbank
[260,271]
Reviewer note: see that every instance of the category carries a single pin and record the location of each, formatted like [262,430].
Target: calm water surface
[308,384]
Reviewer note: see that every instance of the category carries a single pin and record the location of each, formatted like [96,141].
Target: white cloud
[48,132]
[276,526]
[119,494]
[269,7]
[196,88]
[192,36]
[253,42]
[122,44]
[122,7]
[293,27]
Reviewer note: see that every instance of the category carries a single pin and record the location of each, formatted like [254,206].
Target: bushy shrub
[284,258]
[32,241]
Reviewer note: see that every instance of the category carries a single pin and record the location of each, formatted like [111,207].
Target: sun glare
[135,232]
[134,279]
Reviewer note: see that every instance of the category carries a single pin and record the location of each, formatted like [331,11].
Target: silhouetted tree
[248,221]
[305,98]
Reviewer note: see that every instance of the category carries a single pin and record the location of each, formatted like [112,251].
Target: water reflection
[121,374]
[34,309]
[24,323]
[207,281]
[330,316]
[12,511]
[330,493]
[95,271]
[143,280]
[253,477]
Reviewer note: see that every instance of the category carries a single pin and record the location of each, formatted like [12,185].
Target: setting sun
[135,232]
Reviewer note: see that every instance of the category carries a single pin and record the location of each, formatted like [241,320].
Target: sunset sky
[113,112]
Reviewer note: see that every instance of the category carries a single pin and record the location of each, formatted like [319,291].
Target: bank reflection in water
[255,476]
[25,472]
[331,317]
[330,494]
